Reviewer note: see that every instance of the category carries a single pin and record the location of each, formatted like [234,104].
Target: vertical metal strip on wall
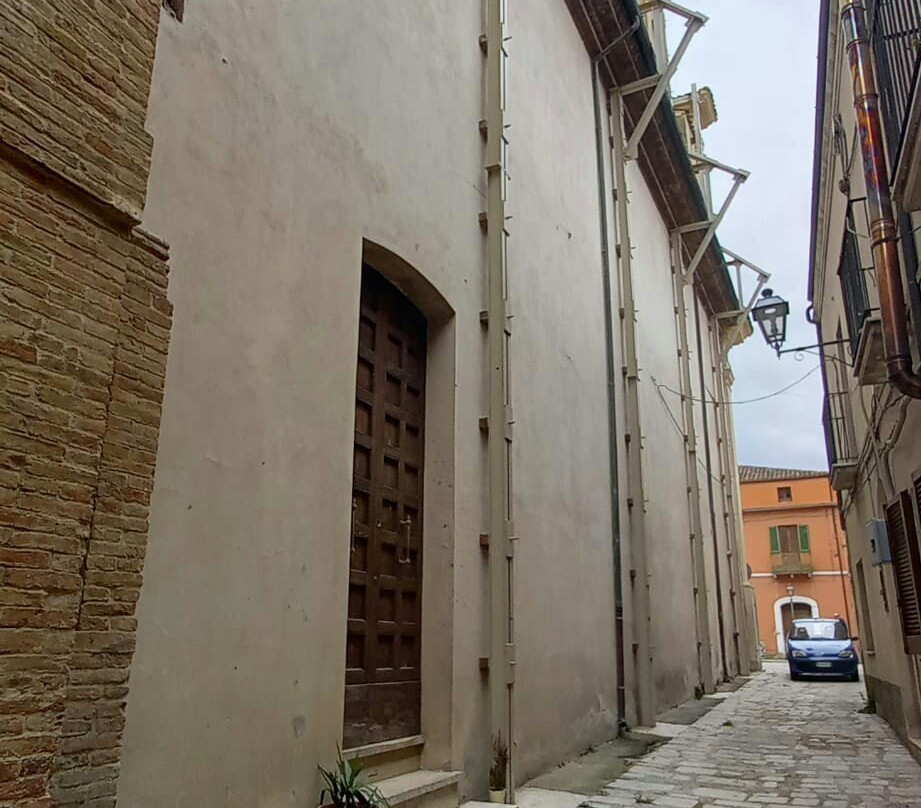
[501,639]
[701,609]
[636,500]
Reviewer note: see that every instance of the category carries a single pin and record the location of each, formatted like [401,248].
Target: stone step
[421,789]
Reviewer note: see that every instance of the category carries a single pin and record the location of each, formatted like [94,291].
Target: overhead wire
[779,392]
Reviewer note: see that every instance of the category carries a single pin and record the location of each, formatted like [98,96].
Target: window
[175,7]
[819,630]
[789,539]
[906,566]
[784,494]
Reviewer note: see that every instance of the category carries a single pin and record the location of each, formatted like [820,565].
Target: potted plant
[498,770]
[347,787]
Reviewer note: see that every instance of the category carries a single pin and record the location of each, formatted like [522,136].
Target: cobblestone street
[776,743]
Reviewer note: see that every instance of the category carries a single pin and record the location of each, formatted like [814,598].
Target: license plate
[823,664]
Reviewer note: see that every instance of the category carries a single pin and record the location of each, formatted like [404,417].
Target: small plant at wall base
[498,769]
[347,787]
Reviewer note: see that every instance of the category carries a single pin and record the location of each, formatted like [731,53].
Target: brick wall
[74,83]
[84,330]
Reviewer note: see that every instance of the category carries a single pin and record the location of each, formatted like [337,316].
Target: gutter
[818,142]
[612,376]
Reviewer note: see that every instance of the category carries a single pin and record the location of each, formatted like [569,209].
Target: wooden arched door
[384,634]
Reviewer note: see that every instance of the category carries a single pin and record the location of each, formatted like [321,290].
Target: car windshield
[819,630]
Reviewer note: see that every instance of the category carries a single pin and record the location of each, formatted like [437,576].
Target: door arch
[782,607]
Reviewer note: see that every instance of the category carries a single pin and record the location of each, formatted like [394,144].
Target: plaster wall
[564,584]
[293,142]
[279,157]
[673,633]
[718,598]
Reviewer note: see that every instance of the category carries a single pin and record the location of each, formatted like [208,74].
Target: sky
[759,59]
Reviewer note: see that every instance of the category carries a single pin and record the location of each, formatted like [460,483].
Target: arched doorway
[786,610]
[383,642]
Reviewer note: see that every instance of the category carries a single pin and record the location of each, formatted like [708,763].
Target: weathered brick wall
[74,83]
[84,328]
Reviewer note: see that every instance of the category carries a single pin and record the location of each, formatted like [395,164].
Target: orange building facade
[793,539]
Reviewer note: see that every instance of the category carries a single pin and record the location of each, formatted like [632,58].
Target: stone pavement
[776,743]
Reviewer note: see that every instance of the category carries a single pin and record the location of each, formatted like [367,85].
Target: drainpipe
[614,492]
[884,236]
[708,462]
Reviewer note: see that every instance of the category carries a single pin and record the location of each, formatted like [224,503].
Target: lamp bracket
[808,347]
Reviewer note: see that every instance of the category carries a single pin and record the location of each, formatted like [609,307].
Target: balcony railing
[795,563]
[840,441]
[895,31]
[854,267]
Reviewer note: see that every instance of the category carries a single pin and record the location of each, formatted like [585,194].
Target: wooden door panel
[383,671]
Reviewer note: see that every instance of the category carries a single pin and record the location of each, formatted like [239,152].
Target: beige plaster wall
[564,585]
[286,137]
[673,633]
[277,159]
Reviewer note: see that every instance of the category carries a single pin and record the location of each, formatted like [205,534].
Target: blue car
[821,648]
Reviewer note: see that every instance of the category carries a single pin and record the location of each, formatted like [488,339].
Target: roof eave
[663,158]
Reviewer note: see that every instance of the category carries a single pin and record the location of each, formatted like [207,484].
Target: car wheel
[795,676]
[854,677]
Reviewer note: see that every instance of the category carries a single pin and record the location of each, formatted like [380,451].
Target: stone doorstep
[410,786]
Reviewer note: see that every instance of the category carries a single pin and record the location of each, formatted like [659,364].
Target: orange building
[795,548]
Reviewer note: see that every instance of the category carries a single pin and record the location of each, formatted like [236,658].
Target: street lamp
[770,312]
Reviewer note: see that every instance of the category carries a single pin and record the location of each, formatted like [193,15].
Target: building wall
[243,621]
[291,166]
[83,341]
[885,426]
[290,144]
[829,586]
[672,628]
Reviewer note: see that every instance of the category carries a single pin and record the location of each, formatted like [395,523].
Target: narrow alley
[776,743]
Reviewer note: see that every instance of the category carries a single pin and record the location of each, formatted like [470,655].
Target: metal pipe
[701,606]
[636,501]
[722,440]
[730,497]
[501,638]
[614,490]
[708,462]
[883,232]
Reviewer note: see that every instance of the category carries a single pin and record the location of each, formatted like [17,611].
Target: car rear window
[819,630]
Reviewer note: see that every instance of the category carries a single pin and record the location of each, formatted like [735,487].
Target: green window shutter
[775,540]
[804,538]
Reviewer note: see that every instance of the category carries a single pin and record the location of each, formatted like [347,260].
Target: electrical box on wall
[878,534]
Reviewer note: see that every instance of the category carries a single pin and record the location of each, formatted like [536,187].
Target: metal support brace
[694,22]
[742,315]
[738,177]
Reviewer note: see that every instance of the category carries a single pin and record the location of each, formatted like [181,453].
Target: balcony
[895,34]
[795,563]
[856,275]
[840,444]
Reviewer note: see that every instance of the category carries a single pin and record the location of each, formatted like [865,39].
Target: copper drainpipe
[879,203]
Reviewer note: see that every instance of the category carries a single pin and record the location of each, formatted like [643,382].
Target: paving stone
[777,744]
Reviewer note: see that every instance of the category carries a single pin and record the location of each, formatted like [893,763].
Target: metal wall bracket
[694,21]
[738,177]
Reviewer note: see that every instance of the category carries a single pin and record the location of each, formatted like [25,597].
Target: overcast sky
[759,58]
